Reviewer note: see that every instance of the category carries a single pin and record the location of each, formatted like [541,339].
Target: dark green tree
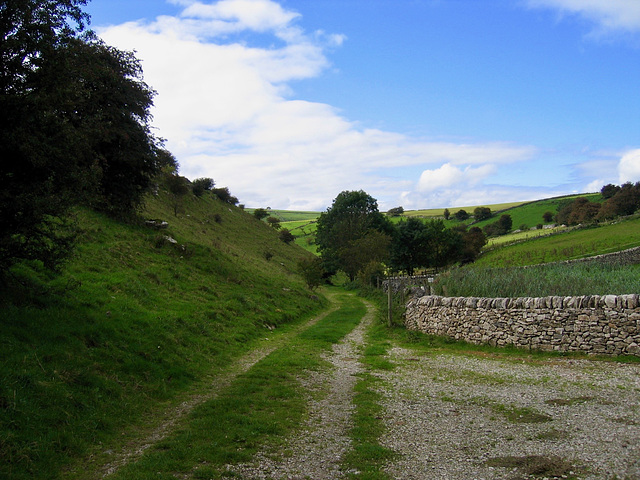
[351,217]
[447,214]
[481,213]
[462,215]
[74,127]
[443,244]
[260,213]
[473,240]
[201,185]
[274,222]
[178,187]
[547,217]
[396,211]
[312,272]
[37,183]
[286,236]
[409,248]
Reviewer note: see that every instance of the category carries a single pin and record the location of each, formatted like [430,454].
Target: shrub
[260,213]
[286,236]
[311,270]
[201,185]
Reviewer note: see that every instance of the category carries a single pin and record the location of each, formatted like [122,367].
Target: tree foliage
[74,127]
[201,185]
[481,213]
[260,213]
[347,231]
[461,215]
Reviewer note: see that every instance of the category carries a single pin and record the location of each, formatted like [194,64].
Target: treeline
[74,130]
[618,201]
[355,238]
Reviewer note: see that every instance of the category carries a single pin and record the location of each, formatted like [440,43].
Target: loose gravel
[316,451]
[472,417]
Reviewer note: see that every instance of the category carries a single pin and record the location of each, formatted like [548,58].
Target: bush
[260,213]
[286,236]
[201,185]
[311,270]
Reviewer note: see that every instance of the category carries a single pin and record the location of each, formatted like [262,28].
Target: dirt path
[316,451]
[166,423]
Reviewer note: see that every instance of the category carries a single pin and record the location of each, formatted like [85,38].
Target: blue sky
[421,103]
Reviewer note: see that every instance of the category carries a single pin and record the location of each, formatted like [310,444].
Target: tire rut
[171,418]
[316,451]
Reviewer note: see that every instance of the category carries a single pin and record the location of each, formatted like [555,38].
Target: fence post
[390,302]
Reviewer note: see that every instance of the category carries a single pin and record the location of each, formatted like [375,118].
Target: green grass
[367,456]
[132,323]
[578,243]
[530,213]
[256,412]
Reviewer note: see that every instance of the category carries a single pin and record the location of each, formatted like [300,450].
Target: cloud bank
[224,73]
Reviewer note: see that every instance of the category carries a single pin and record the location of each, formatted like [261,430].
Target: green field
[530,214]
[576,243]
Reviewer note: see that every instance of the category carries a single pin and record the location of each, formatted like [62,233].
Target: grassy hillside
[530,214]
[576,243]
[133,321]
[439,212]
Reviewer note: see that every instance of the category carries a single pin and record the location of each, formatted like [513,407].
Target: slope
[136,318]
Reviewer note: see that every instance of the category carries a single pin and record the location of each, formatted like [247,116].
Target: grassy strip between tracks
[367,457]
[257,411]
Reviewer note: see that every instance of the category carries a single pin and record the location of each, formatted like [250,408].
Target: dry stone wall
[594,324]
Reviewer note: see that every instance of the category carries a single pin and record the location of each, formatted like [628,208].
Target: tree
[201,185]
[547,217]
[373,247]
[473,241]
[274,222]
[409,246]
[224,195]
[500,227]
[312,272]
[447,214]
[481,213]
[609,190]
[37,183]
[178,187]
[260,213]
[443,244]
[286,236]
[461,215]
[396,212]
[74,128]
[351,217]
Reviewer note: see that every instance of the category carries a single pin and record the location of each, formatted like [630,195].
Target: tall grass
[540,281]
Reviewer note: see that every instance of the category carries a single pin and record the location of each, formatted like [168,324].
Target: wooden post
[390,303]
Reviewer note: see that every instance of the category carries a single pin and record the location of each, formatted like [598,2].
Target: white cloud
[225,108]
[610,15]
[629,167]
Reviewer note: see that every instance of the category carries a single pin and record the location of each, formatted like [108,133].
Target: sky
[420,103]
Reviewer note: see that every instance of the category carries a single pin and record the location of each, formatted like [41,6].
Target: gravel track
[316,451]
[451,416]
[448,415]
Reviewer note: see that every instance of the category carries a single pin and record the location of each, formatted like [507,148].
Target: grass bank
[257,412]
[136,319]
